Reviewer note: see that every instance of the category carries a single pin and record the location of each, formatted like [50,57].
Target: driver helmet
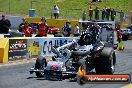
[88,39]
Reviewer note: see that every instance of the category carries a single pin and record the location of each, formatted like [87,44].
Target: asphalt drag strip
[18,76]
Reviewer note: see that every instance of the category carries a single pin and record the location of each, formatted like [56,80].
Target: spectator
[103,14]
[4,25]
[96,13]
[91,13]
[122,16]
[105,9]
[84,16]
[26,29]
[119,33]
[67,29]
[108,10]
[76,30]
[113,14]
[23,22]
[56,12]
[43,28]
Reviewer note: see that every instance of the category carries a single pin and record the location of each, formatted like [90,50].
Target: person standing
[119,33]
[43,28]
[96,13]
[103,14]
[56,12]
[108,10]
[122,16]
[84,16]
[4,25]
[113,14]
[91,13]
[105,9]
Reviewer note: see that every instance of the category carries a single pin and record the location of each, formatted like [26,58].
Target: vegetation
[68,8]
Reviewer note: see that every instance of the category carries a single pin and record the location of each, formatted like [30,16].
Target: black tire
[115,46]
[105,64]
[40,64]
[58,35]
[81,80]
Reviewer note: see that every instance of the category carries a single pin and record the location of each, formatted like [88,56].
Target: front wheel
[40,64]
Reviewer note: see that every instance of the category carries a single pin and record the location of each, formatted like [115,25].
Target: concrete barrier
[22,48]
[4,46]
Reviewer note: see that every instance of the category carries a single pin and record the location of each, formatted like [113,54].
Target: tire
[58,35]
[81,80]
[115,46]
[105,64]
[40,64]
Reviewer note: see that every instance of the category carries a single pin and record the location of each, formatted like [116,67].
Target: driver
[94,30]
[85,39]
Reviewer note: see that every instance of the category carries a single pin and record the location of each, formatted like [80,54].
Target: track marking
[127,86]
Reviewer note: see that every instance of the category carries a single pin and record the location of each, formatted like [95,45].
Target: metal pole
[31,2]
[9,6]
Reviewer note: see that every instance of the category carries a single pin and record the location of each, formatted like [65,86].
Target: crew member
[27,30]
[43,28]
[119,33]
[23,23]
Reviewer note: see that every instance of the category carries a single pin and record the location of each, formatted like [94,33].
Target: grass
[68,8]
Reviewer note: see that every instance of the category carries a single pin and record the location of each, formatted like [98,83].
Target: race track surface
[17,76]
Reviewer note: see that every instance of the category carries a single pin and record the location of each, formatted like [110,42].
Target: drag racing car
[69,57]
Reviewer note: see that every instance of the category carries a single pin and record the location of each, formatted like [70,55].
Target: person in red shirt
[43,28]
[27,30]
[119,33]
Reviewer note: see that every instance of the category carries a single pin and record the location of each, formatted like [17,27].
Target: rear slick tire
[105,64]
